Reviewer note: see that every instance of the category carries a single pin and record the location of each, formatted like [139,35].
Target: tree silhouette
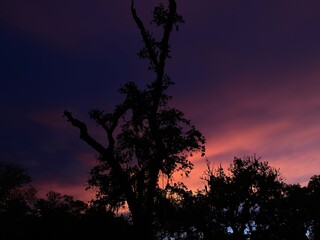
[60,216]
[145,136]
[291,213]
[179,213]
[240,202]
[57,215]
[314,206]
[16,198]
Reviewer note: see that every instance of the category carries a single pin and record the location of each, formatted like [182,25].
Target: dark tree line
[23,215]
[250,200]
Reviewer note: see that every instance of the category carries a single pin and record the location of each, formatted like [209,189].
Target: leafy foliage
[16,197]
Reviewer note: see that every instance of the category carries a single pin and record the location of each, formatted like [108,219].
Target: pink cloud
[280,123]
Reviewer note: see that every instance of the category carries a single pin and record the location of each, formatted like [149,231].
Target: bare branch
[84,135]
[145,36]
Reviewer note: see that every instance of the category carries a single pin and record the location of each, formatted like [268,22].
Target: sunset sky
[247,74]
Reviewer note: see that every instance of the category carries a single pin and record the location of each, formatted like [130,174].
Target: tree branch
[107,155]
[145,36]
[166,33]
[84,135]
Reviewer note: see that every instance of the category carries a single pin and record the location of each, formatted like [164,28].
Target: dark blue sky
[246,72]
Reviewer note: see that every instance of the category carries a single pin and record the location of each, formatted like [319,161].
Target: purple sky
[247,74]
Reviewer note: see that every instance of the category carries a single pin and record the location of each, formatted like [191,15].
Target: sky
[246,73]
